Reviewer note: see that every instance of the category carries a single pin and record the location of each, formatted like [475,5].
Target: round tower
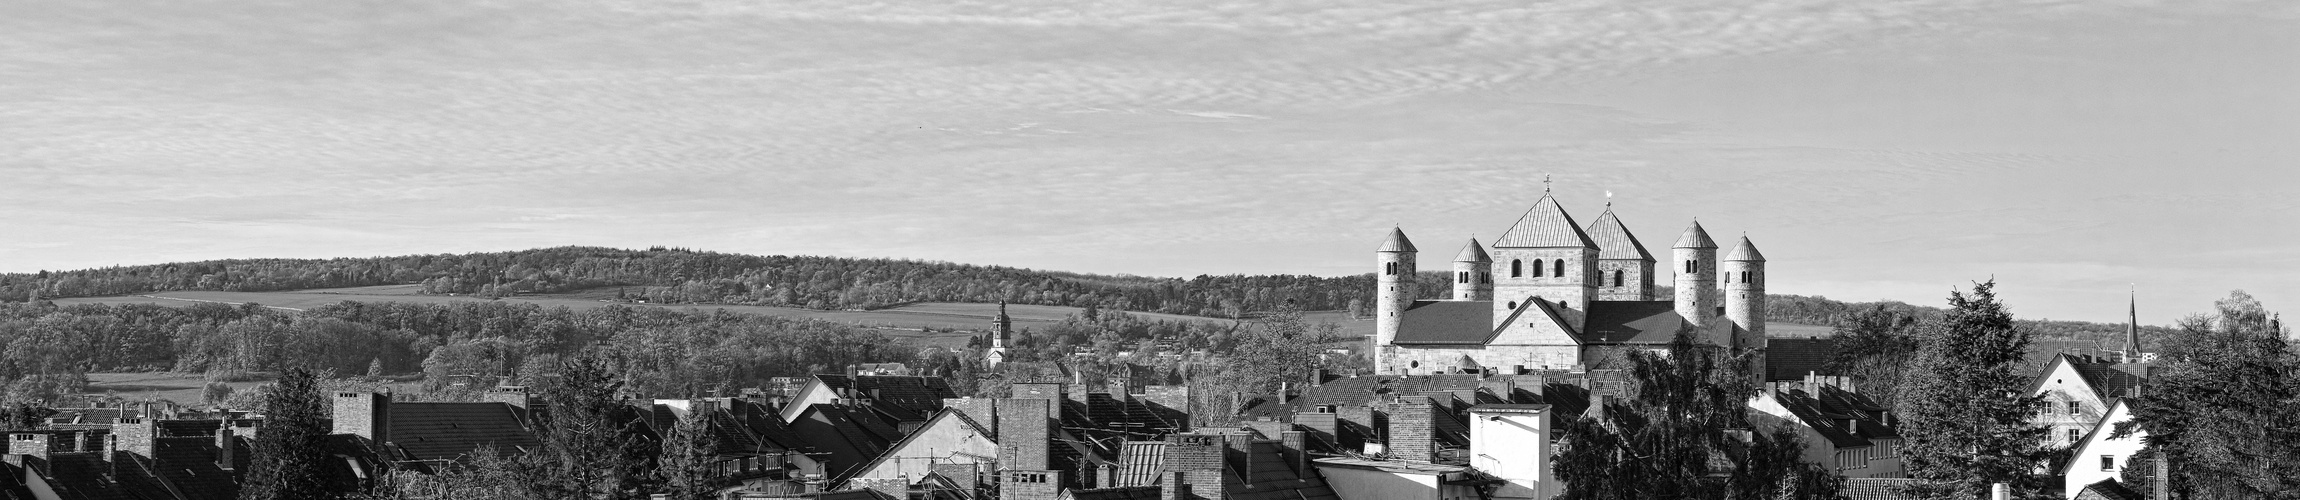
[1696,270]
[1473,273]
[1744,273]
[1394,290]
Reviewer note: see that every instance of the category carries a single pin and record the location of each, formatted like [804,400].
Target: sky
[2074,151]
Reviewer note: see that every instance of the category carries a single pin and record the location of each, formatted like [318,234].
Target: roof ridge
[1553,228]
[1614,240]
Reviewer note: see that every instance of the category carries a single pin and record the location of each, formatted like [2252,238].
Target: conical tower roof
[2132,329]
[1745,251]
[1473,253]
[1695,238]
[1397,242]
[1613,239]
[1545,226]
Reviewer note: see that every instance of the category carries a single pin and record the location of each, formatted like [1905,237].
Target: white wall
[2084,466]
[1513,445]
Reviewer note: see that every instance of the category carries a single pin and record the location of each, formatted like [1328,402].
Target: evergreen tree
[1965,407]
[591,447]
[688,450]
[2224,406]
[1684,432]
[287,458]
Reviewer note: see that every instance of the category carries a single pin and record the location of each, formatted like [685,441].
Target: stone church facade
[1553,294]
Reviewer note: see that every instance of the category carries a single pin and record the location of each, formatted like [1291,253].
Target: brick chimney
[1412,430]
[1193,467]
[514,395]
[1023,434]
[1029,484]
[224,445]
[365,414]
[1320,427]
[134,435]
[28,444]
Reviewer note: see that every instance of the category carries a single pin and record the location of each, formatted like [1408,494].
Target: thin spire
[2132,352]
[1544,183]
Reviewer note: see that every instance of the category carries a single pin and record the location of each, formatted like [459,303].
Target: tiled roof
[1446,322]
[1139,462]
[1614,240]
[1473,252]
[1397,242]
[1868,488]
[1546,225]
[1826,410]
[1792,359]
[1118,493]
[1695,237]
[1357,391]
[767,425]
[1631,322]
[2108,489]
[1745,251]
[447,431]
[915,397]
[849,439]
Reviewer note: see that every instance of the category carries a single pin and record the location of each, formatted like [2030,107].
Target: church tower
[1624,268]
[1545,255]
[1473,273]
[1696,262]
[1744,270]
[1394,291]
[1005,328]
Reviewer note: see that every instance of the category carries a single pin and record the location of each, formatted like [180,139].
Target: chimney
[1412,437]
[27,444]
[1286,392]
[224,445]
[1023,433]
[2159,487]
[1297,448]
[1318,377]
[365,414]
[1319,427]
[1194,467]
[134,435]
[2000,491]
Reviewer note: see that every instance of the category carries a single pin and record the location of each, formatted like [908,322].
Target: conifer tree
[1965,408]
[590,446]
[2224,405]
[686,457]
[287,457]
[1684,433]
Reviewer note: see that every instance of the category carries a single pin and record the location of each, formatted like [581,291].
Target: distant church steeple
[1005,328]
[2132,349]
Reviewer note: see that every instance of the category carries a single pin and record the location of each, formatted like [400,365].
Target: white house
[2097,455]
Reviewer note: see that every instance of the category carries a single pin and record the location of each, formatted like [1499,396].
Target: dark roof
[1546,225]
[1827,408]
[1792,359]
[1397,242]
[1695,237]
[1745,251]
[189,464]
[2108,489]
[1472,252]
[905,397]
[1273,477]
[1631,322]
[447,431]
[2111,381]
[1357,391]
[1446,322]
[1118,493]
[840,495]
[848,438]
[1870,488]
[1614,240]
[81,476]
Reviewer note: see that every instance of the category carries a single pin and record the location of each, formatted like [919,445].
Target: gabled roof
[1745,251]
[2108,489]
[1397,242]
[850,439]
[906,398]
[447,431]
[1473,253]
[2108,381]
[952,415]
[1695,237]
[1827,408]
[1546,225]
[2102,429]
[1877,488]
[1614,240]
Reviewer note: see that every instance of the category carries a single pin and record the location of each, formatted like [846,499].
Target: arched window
[1464,277]
[1391,269]
[1745,277]
[1516,268]
[1617,277]
[1485,278]
[1728,278]
[1557,268]
[1536,268]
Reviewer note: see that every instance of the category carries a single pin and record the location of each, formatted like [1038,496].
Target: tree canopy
[1965,408]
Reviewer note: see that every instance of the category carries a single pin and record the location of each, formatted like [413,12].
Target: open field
[183,388]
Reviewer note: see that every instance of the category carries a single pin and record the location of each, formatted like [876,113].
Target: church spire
[2132,353]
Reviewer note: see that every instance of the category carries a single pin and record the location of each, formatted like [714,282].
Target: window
[1558,268]
[1391,269]
[1513,305]
[1536,268]
[1745,277]
[2074,408]
[1617,277]
[1485,278]
[2073,435]
[1516,268]
[1464,278]
[1728,278]
[2108,462]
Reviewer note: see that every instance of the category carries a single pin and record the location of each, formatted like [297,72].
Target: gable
[948,437]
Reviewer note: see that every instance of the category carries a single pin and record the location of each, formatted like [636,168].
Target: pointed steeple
[2132,352]
[1614,242]
[1695,237]
[1397,242]
[1545,226]
[1745,251]
[1474,253]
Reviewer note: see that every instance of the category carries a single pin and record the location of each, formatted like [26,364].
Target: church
[1552,294]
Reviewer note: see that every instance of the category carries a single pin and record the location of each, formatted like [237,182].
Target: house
[1842,429]
[2077,391]
[142,458]
[752,449]
[893,400]
[2097,457]
[428,434]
